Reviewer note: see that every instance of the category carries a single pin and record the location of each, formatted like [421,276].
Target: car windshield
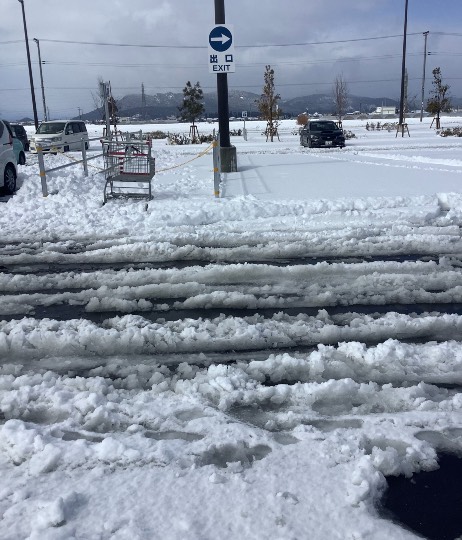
[322,126]
[53,127]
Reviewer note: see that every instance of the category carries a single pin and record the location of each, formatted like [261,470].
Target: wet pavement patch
[428,503]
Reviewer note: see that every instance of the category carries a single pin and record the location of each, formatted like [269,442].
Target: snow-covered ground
[250,366]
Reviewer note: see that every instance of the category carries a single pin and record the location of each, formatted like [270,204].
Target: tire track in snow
[29,266]
[234,307]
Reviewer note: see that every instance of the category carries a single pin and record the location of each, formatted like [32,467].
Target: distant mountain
[324,104]
[163,106]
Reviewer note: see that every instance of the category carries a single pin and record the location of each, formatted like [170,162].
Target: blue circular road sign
[220,39]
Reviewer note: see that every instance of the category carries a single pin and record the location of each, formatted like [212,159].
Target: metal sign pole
[401,125]
[228,152]
[222,86]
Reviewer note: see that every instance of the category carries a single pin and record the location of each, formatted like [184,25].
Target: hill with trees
[163,106]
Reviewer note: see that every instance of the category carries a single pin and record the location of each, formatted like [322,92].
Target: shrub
[451,132]
[156,135]
[349,134]
[180,139]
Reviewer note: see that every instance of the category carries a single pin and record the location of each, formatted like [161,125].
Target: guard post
[216,165]
[84,156]
[43,174]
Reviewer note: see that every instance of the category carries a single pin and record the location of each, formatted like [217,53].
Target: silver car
[8,171]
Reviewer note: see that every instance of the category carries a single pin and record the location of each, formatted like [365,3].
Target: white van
[60,136]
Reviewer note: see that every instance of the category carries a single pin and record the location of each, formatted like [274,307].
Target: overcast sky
[265,32]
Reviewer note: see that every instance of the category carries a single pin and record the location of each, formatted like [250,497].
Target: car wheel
[66,149]
[22,159]
[9,178]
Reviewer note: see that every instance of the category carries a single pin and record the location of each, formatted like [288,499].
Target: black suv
[322,133]
[21,134]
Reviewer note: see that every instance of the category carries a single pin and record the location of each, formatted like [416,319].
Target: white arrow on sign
[223,39]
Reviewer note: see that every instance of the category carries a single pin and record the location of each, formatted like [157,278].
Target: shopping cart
[129,167]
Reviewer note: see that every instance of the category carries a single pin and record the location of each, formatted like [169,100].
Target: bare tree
[268,105]
[340,93]
[102,96]
[98,97]
[440,101]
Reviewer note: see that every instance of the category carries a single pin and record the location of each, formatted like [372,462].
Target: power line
[444,53]
[243,65]
[263,45]
[446,34]
[327,42]
[317,83]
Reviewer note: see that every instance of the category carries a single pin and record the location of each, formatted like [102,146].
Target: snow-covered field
[250,366]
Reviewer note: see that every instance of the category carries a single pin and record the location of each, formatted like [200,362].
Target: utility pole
[143,96]
[41,80]
[143,101]
[402,126]
[227,152]
[423,76]
[406,83]
[104,91]
[80,113]
[31,79]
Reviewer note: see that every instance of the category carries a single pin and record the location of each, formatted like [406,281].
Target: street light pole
[423,76]
[41,80]
[31,80]
[401,126]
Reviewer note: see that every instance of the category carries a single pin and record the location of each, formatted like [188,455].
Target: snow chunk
[51,514]
[45,461]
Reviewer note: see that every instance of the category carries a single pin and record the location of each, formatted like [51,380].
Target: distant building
[386,109]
